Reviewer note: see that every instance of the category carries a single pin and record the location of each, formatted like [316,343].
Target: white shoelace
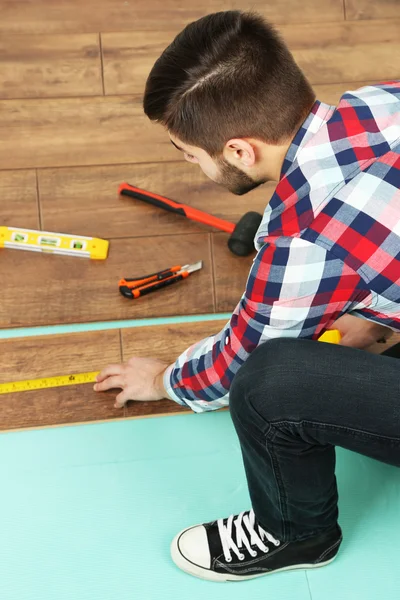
[256,537]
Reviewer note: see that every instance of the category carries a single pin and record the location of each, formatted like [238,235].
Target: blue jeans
[291,403]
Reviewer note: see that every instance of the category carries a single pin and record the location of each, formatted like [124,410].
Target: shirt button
[227,340]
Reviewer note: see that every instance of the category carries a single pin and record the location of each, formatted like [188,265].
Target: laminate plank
[165,342]
[85,199]
[53,355]
[365,9]
[45,289]
[128,58]
[326,54]
[38,66]
[78,131]
[65,16]
[86,131]
[365,51]
[18,199]
[47,356]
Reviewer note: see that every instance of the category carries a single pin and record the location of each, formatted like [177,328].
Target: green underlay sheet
[88,513]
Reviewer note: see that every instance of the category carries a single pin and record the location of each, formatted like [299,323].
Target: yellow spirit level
[53,243]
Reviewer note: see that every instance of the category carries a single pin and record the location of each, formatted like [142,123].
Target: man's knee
[269,379]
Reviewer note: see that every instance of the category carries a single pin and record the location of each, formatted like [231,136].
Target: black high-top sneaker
[237,548]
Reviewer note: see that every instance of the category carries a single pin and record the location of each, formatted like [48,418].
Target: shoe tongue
[214,539]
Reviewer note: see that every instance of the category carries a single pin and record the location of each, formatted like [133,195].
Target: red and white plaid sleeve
[294,289]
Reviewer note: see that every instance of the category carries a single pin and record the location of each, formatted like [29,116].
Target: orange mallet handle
[176,207]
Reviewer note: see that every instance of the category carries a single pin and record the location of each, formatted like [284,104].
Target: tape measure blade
[48,382]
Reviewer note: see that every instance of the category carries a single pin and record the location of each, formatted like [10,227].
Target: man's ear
[239,152]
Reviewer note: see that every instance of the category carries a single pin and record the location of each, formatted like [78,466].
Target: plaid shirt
[329,243]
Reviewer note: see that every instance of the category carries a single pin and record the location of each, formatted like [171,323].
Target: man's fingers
[117,381]
[109,371]
[122,399]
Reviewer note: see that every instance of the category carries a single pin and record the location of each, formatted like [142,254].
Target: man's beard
[235,180]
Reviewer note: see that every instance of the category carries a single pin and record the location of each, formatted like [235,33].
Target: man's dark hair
[228,75]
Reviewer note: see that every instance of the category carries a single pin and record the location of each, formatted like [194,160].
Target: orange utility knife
[140,286]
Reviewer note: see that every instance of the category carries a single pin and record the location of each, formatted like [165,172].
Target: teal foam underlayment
[79,327]
[88,513]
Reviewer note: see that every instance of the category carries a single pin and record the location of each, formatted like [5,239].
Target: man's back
[341,192]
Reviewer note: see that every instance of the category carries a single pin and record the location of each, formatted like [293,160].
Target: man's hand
[139,379]
[359,333]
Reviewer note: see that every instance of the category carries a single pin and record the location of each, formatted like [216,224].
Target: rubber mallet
[241,241]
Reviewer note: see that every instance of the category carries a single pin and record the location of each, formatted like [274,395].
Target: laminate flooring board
[165,342]
[47,289]
[75,16]
[48,356]
[347,51]
[365,9]
[85,200]
[87,131]
[18,199]
[79,131]
[36,66]
[128,58]
[53,355]
[341,52]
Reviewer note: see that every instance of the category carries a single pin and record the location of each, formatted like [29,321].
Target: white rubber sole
[209,575]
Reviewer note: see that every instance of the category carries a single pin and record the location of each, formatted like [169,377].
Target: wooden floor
[71,130]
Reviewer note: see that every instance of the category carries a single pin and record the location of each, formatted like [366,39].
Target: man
[234,101]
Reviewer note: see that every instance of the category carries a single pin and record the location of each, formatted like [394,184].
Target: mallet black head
[241,241]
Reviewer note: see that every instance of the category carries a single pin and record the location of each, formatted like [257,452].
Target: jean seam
[262,438]
[339,428]
[282,496]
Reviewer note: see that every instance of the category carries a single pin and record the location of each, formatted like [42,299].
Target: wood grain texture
[34,66]
[47,16]
[78,131]
[363,51]
[52,355]
[365,9]
[30,358]
[18,199]
[346,51]
[58,289]
[55,407]
[128,58]
[165,342]
[85,200]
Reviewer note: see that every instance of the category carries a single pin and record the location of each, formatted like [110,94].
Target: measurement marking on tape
[47,382]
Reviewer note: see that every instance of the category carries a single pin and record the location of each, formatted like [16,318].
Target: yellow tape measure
[53,243]
[331,337]
[47,382]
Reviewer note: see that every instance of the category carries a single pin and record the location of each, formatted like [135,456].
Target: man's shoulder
[373,108]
